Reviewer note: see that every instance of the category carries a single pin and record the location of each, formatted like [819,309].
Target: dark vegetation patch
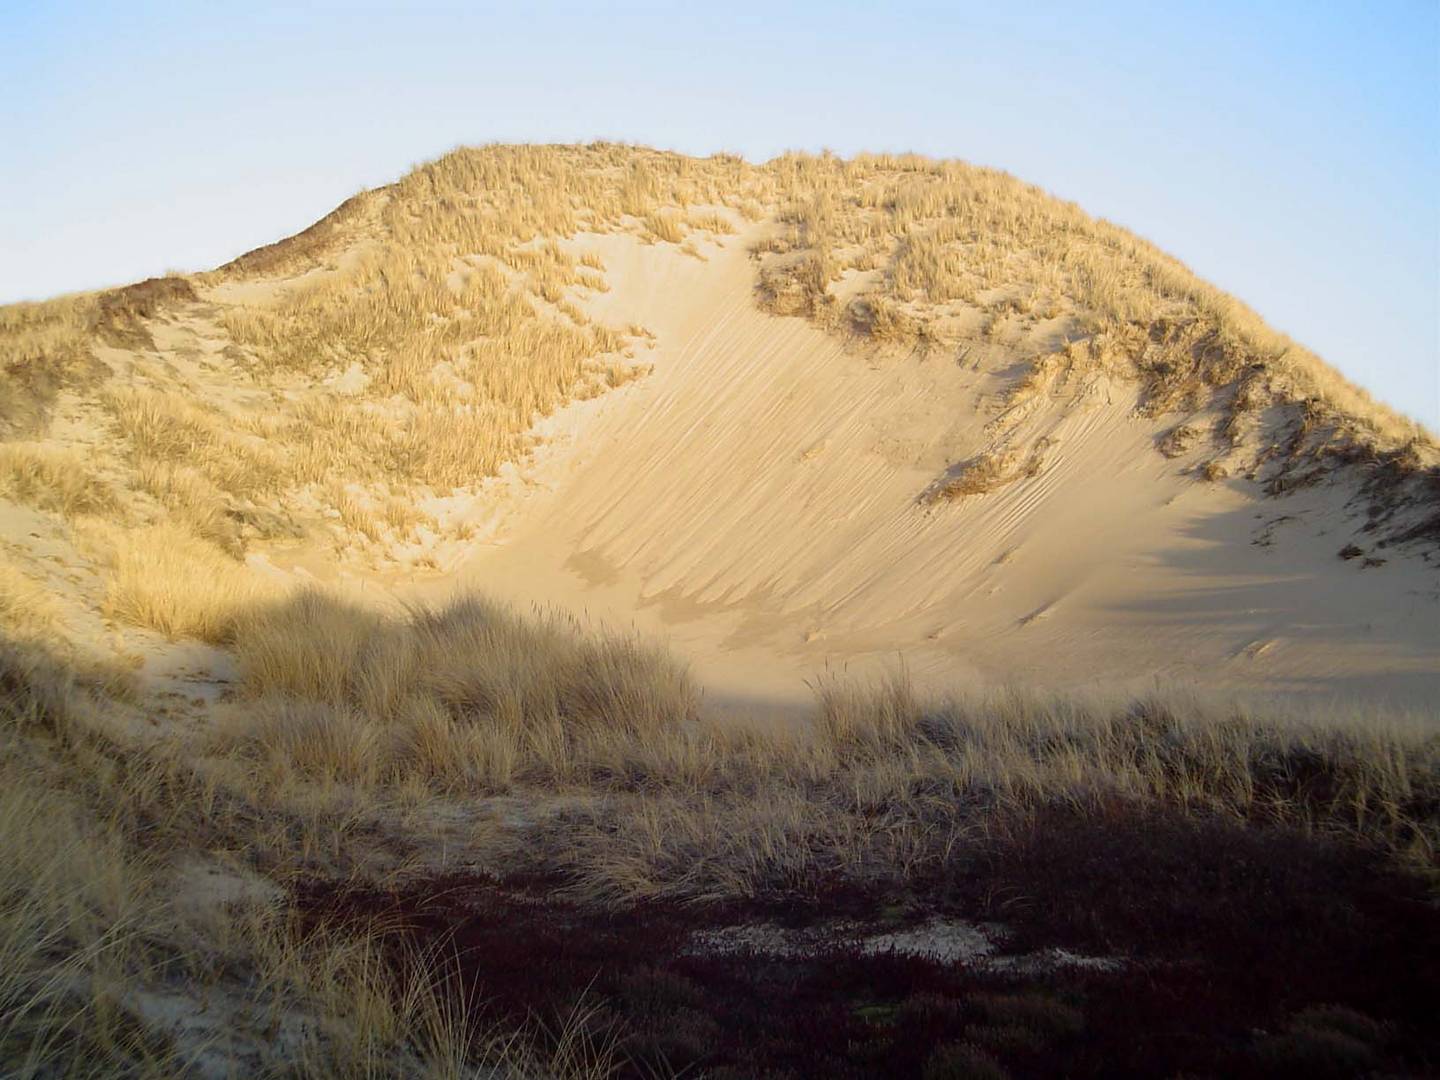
[1250,951]
[303,248]
[50,346]
[1400,493]
[36,363]
[118,312]
[1178,440]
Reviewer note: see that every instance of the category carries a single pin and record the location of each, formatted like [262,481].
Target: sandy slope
[755,501]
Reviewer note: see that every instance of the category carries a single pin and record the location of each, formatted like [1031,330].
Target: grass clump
[466,693]
[44,347]
[1107,824]
[164,429]
[72,905]
[27,610]
[49,478]
[991,470]
[166,579]
[192,501]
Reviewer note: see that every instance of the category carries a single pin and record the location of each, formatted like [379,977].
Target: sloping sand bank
[757,501]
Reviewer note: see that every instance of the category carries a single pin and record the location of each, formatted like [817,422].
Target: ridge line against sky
[1287,152]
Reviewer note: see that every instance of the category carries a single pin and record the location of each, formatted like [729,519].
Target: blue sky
[1290,153]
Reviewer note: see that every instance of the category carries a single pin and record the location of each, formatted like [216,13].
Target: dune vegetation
[408,344]
[374,752]
[265,812]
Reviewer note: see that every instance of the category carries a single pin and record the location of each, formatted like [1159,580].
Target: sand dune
[976,494]
[756,500]
[283,787]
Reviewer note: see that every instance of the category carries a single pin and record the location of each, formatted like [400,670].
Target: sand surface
[755,501]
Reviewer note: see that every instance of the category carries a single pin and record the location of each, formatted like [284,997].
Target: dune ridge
[812,412]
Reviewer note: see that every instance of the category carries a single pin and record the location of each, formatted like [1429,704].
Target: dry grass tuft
[193,501]
[50,346]
[466,693]
[166,579]
[665,227]
[885,786]
[72,903]
[893,789]
[44,347]
[52,479]
[991,471]
[28,610]
[1178,440]
[112,964]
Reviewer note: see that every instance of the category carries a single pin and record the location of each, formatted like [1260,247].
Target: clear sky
[1289,152]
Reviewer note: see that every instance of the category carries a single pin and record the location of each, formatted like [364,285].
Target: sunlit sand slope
[759,499]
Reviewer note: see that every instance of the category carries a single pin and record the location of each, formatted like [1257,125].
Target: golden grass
[711,222]
[951,237]
[50,346]
[52,479]
[73,900]
[192,500]
[43,348]
[892,789]
[28,610]
[85,929]
[991,470]
[447,313]
[72,904]
[665,227]
[449,295]
[166,579]
[168,429]
[354,721]
[468,692]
